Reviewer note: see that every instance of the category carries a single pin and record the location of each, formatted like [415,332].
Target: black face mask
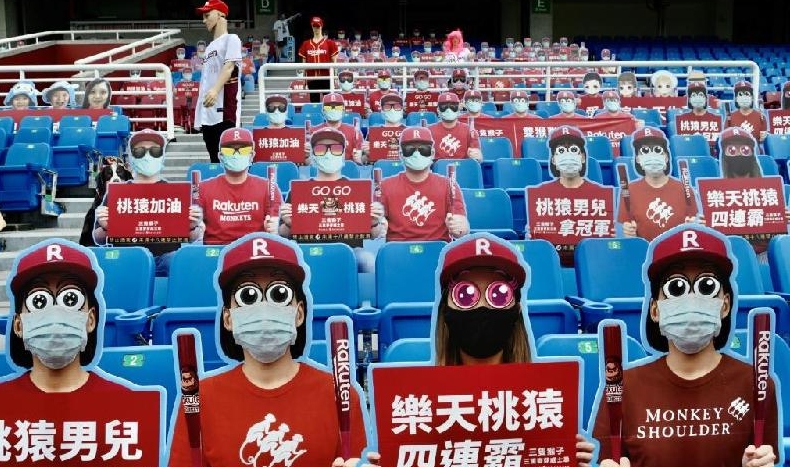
[740,166]
[481,332]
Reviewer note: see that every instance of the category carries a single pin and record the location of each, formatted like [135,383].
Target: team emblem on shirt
[269,444]
[450,144]
[659,212]
[418,209]
[738,408]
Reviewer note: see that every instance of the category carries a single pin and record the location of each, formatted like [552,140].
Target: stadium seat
[704,166]
[778,252]
[415,118]
[36,121]
[550,107]
[489,210]
[535,148]
[496,148]
[626,146]
[586,347]
[651,117]
[7,124]
[150,113]
[144,365]
[513,175]
[128,290]
[468,173]
[609,271]
[260,120]
[375,119]
[299,119]
[594,171]
[689,146]
[207,170]
[318,351]
[768,165]
[408,349]
[600,149]
[333,282]
[112,132]
[69,121]
[406,297]
[5,369]
[73,155]
[192,300]
[32,135]
[286,171]
[27,169]
[311,108]
[388,167]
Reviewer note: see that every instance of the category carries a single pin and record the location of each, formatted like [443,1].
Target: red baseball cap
[147,135]
[328,133]
[260,250]
[519,94]
[696,86]
[391,97]
[448,97]
[416,134]
[277,98]
[384,73]
[472,94]
[610,95]
[689,242]
[566,131]
[54,256]
[738,133]
[459,73]
[317,21]
[333,98]
[236,136]
[648,132]
[421,73]
[218,5]
[743,85]
[565,95]
[481,251]
[345,73]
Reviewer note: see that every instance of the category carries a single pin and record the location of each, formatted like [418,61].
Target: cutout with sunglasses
[278,106]
[236,150]
[448,105]
[322,149]
[425,149]
[140,151]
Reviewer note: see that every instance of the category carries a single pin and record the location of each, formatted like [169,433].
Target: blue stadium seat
[600,149]
[778,147]
[318,351]
[496,148]
[207,170]
[768,165]
[626,146]
[7,124]
[72,156]
[489,106]
[468,173]
[128,290]
[36,121]
[144,365]
[112,132]
[489,210]
[598,258]
[351,117]
[689,146]
[594,171]
[191,300]
[333,282]
[652,117]
[70,121]
[513,175]
[5,369]
[703,166]
[286,171]
[260,120]
[405,298]
[408,349]
[31,135]
[375,119]
[629,166]
[535,148]
[415,118]
[311,108]
[778,252]
[298,120]
[26,169]
[586,347]
[388,167]
[550,107]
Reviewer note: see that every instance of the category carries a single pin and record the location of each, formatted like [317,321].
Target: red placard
[384,142]
[753,208]
[779,121]
[355,102]
[279,144]
[509,414]
[565,216]
[148,213]
[56,114]
[650,102]
[98,432]
[421,101]
[516,129]
[336,210]
[708,125]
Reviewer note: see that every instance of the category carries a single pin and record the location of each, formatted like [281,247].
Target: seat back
[536,148]
[517,173]
[468,173]
[626,146]
[767,165]
[207,170]
[408,349]
[621,258]
[388,167]
[7,124]
[496,148]
[749,280]
[34,153]
[333,273]
[75,136]
[778,253]
[689,146]
[702,166]
[36,121]
[599,148]
[414,118]
[405,272]
[544,262]
[69,121]
[128,277]
[652,117]
[261,120]
[33,135]
[286,171]
[185,288]
[488,209]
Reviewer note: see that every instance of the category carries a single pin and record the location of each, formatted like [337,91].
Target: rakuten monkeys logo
[316,52]
[240,211]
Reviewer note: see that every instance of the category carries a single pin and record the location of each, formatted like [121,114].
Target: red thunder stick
[190,395]
[451,182]
[341,370]
[685,178]
[377,184]
[622,172]
[613,390]
[761,340]
[271,173]
[195,186]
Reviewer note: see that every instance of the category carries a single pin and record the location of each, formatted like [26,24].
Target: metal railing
[49,36]
[77,74]
[143,24]
[550,73]
[146,43]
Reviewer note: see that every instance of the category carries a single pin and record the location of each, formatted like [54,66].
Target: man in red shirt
[237,203]
[520,101]
[473,103]
[352,95]
[422,99]
[318,49]
[383,86]
[567,102]
[334,107]
[419,204]
[699,119]
[746,117]
[454,139]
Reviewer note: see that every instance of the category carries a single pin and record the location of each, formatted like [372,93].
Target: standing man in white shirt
[281,32]
[218,101]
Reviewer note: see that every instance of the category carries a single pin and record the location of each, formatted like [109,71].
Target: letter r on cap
[54,253]
[236,135]
[259,246]
[690,239]
[482,246]
[648,132]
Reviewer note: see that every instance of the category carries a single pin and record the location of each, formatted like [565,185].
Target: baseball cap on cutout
[277,98]
[147,135]
[317,21]
[481,252]
[610,95]
[218,5]
[648,132]
[236,136]
[472,94]
[416,134]
[390,97]
[260,251]
[333,98]
[566,131]
[692,243]
[54,257]
[328,133]
[447,97]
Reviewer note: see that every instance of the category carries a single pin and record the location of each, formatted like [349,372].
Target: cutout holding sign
[331,210]
[279,144]
[150,213]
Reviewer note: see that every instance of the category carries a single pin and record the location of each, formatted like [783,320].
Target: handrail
[98,70]
[177,23]
[406,69]
[131,46]
[71,35]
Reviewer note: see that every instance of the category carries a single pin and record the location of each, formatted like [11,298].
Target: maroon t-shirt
[656,210]
[453,143]
[753,122]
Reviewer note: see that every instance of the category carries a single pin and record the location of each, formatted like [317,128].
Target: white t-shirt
[225,48]
[281,30]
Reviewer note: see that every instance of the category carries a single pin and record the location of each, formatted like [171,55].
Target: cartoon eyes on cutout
[653,150]
[573,149]
[500,294]
[276,293]
[248,295]
[279,294]
[744,150]
[39,300]
[706,286]
[466,295]
[70,298]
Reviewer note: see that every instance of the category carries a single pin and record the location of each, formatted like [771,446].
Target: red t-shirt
[242,424]
[564,115]
[353,136]
[417,210]
[656,210]
[753,122]
[232,211]
[322,51]
[453,143]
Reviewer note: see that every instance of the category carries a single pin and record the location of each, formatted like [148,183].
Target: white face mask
[690,321]
[612,105]
[568,162]
[417,161]
[187,76]
[346,86]
[421,84]
[266,331]
[652,163]
[474,106]
[393,116]
[55,335]
[277,117]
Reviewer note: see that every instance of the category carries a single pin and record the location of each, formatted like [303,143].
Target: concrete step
[71,220]
[178,148]
[76,205]
[16,241]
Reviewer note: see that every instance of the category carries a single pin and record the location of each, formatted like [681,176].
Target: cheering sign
[355,102]
[122,429]
[708,125]
[279,144]
[384,142]
[421,101]
[328,211]
[509,414]
[751,207]
[565,216]
[149,213]
[779,121]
